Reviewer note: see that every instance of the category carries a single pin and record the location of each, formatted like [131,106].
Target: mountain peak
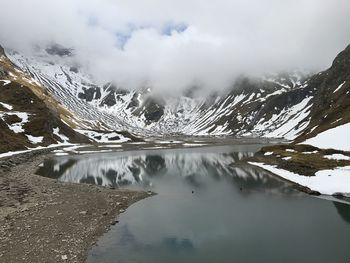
[342,60]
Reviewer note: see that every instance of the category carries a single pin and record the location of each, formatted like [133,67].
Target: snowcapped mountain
[292,106]
[234,112]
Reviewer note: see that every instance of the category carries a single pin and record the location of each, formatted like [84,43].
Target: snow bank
[336,138]
[326,182]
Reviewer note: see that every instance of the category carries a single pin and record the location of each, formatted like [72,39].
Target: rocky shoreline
[44,220]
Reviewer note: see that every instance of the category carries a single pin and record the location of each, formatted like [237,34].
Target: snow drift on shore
[328,182]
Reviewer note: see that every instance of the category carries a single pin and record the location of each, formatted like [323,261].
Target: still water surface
[210,207]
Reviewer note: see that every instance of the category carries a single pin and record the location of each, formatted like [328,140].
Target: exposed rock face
[74,69]
[90,94]
[113,94]
[58,50]
[3,73]
[2,70]
[151,108]
[331,101]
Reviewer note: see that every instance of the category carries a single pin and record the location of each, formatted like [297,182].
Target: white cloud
[224,38]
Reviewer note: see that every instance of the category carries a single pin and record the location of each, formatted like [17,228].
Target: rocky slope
[318,160]
[331,97]
[30,116]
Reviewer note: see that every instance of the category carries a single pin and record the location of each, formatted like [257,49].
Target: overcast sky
[173,44]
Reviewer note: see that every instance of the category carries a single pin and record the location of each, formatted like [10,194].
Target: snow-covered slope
[335,138]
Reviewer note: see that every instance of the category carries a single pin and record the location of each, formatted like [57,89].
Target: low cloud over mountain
[171,45]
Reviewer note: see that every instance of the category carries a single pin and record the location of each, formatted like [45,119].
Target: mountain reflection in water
[141,169]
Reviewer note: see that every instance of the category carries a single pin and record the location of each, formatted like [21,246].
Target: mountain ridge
[294,107]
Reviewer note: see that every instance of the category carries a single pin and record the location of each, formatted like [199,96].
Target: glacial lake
[210,207]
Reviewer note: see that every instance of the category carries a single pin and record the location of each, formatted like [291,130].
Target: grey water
[211,206]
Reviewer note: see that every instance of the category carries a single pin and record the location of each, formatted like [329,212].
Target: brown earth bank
[301,159]
[44,220]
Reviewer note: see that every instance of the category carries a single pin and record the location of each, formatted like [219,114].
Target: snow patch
[193,144]
[337,157]
[104,137]
[6,106]
[64,139]
[340,86]
[35,140]
[310,152]
[18,126]
[335,138]
[6,82]
[110,146]
[61,154]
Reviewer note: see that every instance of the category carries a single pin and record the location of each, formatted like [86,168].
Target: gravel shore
[43,220]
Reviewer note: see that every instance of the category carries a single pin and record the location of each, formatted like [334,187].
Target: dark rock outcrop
[58,50]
